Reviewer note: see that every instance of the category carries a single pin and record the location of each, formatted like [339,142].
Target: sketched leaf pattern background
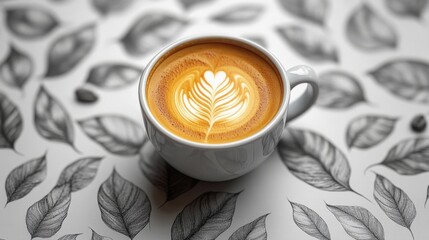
[349,168]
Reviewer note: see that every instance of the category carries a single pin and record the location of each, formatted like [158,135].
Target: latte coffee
[214,92]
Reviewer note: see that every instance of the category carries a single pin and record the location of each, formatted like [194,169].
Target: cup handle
[298,75]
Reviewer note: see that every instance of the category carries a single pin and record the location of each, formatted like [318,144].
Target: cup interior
[240,42]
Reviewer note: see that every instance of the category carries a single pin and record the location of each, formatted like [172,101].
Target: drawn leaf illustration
[16,69]
[124,207]
[214,98]
[358,222]
[312,43]
[10,123]
[369,130]
[164,177]
[96,236]
[69,236]
[312,10]
[252,231]
[413,8]
[116,134]
[314,160]
[24,178]
[30,22]
[68,50]
[51,119]
[45,217]
[206,217]
[394,202]
[409,157]
[368,31]
[113,76]
[150,32]
[408,79]
[310,222]
[339,90]
[187,4]
[106,7]
[80,173]
[239,14]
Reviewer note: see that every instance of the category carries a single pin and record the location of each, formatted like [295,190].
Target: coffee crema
[214,92]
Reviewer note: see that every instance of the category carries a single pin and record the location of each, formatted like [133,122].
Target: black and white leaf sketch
[239,14]
[339,90]
[394,202]
[164,177]
[16,69]
[206,217]
[412,8]
[358,222]
[45,217]
[187,4]
[311,43]
[96,236]
[124,207]
[312,10]
[51,119]
[408,157]
[310,222]
[70,236]
[368,31]
[106,7]
[10,123]
[117,134]
[314,160]
[24,178]
[151,31]
[68,50]
[408,79]
[30,22]
[254,230]
[368,130]
[113,76]
[80,173]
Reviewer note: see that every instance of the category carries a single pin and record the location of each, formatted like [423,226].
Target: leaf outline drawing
[239,14]
[146,33]
[405,78]
[79,173]
[408,157]
[124,207]
[314,11]
[369,130]
[51,119]
[255,230]
[10,123]
[208,222]
[411,8]
[30,22]
[16,69]
[70,236]
[368,31]
[106,7]
[309,221]
[339,90]
[113,75]
[68,50]
[22,179]
[394,202]
[115,133]
[358,222]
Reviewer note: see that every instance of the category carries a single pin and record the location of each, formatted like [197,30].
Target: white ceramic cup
[219,162]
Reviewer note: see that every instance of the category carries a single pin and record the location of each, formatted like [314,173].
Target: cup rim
[281,112]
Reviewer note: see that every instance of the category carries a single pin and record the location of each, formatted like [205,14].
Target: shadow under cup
[213,161]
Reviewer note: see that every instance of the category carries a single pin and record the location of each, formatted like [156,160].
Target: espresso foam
[214,92]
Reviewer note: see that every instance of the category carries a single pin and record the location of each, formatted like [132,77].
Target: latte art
[213,92]
[214,98]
